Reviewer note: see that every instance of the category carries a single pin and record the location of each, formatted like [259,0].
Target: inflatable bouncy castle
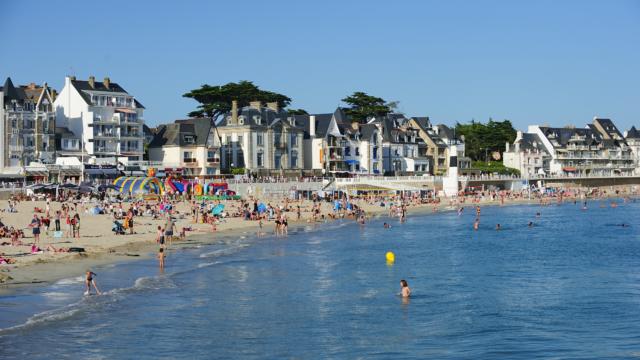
[139,185]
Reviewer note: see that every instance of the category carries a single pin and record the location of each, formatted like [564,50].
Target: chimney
[92,82]
[234,112]
[518,135]
[255,104]
[72,78]
[273,106]
[32,86]
[506,147]
[107,82]
[312,126]
[54,94]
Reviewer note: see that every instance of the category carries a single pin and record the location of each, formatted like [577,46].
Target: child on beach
[89,280]
[161,256]
[160,236]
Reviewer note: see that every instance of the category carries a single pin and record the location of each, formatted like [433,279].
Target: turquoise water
[567,288]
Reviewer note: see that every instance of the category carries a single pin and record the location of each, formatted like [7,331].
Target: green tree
[297,112]
[216,100]
[363,106]
[483,139]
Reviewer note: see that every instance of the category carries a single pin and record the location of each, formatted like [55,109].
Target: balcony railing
[213,161]
[190,163]
[105,150]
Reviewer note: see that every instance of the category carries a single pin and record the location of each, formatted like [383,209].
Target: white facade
[261,140]
[107,119]
[527,155]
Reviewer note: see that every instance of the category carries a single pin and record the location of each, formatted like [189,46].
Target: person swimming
[498,227]
[405,291]
[530,224]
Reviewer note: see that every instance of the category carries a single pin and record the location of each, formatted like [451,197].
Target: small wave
[87,302]
[222,252]
[69,281]
[207,264]
[47,316]
[57,295]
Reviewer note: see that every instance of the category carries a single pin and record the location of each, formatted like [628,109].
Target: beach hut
[139,185]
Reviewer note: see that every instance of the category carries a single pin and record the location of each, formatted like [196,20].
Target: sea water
[568,287]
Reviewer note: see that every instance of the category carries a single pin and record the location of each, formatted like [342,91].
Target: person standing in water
[405,291]
[161,257]
[89,280]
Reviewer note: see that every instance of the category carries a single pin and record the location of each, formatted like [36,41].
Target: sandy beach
[103,247]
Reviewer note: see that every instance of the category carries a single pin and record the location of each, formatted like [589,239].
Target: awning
[102,171]
[569,169]
[93,171]
[37,172]
[125,110]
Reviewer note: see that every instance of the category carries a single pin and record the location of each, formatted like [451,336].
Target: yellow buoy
[390,257]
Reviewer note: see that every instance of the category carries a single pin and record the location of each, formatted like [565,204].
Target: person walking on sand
[89,280]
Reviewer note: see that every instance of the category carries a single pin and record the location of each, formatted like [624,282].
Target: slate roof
[633,133]
[530,142]
[560,137]
[609,127]
[322,124]
[174,134]
[250,113]
[63,132]
[21,94]
[83,87]
[367,130]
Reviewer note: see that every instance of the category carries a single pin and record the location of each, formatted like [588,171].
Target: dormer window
[189,139]
[241,120]
[257,119]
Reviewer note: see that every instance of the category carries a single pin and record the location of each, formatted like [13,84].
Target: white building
[632,137]
[336,145]
[189,146]
[106,118]
[404,151]
[597,149]
[263,140]
[527,154]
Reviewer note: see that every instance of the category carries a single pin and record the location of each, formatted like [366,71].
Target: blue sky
[553,62]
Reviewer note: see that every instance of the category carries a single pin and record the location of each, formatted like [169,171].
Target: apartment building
[27,133]
[598,149]
[107,119]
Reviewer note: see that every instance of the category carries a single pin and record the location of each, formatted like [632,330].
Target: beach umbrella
[107,187]
[85,188]
[217,210]
[69,186]
[262,208]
